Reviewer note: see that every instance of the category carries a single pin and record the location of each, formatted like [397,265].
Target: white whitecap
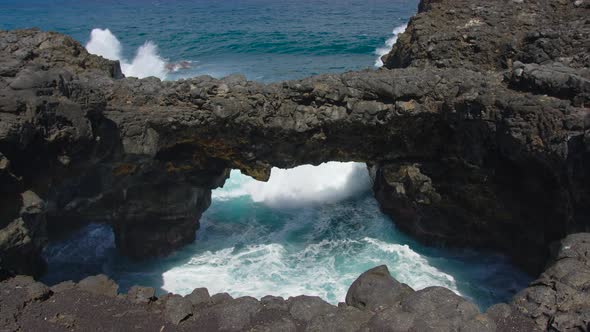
[147,61]
[316,269]
[386,48]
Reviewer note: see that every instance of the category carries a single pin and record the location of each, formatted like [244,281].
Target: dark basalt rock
[143,155]
[199,296]
[559,300]
[100,285]
[138,294]
[178,309]
[376,289]
[21,240]
[27,305]
[476,133]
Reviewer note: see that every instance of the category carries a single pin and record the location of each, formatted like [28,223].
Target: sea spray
[316,249]
[303,185]
[147,62]
[316,239]
[381,51]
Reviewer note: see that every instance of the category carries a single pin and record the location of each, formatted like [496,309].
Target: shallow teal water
[311,230]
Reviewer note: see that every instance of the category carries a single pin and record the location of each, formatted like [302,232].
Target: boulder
[508,319]
[305,308]
[270,302]
[177,309]
[139,294]
[39,291]
[63,286]
[282,324]
[220,298]
[100,285]
[199,296]
[235,315]
[347,319]
[375,290]
[560,298]
[392,319]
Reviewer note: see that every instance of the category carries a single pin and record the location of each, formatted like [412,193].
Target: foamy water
[381,51]
[298,233]
[309,230]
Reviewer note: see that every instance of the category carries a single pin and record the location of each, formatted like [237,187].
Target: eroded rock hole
[308,230]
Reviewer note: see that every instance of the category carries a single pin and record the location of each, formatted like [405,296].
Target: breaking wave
[146,62]
[309,230]
[381,51]
[327,183]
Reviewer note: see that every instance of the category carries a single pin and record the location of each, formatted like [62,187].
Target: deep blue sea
[266,40]
[309,230]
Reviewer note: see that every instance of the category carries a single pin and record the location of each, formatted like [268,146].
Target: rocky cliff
[477,134]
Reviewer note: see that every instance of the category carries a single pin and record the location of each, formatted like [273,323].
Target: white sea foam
[303,185]
[381,51]
[315,249]
[147,61]
[247,248]
[316,269]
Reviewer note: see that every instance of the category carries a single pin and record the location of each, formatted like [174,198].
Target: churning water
[309,230]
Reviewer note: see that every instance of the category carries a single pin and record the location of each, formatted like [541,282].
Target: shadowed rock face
[471,142]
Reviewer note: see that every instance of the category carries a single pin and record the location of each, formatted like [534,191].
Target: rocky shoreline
[557,301]
[476,134]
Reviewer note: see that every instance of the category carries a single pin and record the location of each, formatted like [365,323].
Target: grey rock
[220,298]
[305,308]
[63,286]
[235,315]
[440,300]
[347,319]
[139,294]
[479,323]
[508,319]
[375,290]
[274,303]
[560,298]
[100,285]
[283,324]
[392,320]
[199,296]
[38,291]
[177,309]
[477,96]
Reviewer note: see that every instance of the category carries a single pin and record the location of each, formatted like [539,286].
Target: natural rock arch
[467,148]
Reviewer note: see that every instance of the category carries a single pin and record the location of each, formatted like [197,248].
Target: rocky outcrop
[489,161]
[28,305]
[559,300]
[517,177]
[476,134]
[22,239]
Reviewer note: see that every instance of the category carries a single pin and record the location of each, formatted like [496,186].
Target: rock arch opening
[307,230]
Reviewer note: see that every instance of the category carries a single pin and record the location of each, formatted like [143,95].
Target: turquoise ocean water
[309,230]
